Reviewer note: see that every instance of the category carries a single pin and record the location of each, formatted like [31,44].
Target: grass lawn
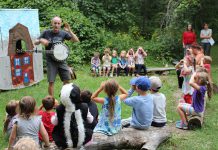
[201,139]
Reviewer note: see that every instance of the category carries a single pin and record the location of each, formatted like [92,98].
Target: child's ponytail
[10,109]
[6,123]
[111,88]
[111,107]
[209,90]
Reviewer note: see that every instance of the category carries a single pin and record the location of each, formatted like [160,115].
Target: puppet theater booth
[19,68]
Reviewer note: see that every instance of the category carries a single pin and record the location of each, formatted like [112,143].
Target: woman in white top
[206,35]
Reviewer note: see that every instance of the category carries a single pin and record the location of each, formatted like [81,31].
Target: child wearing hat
[133,87]
[159,100]
[142,113]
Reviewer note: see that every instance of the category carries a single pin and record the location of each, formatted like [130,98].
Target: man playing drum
[49,38]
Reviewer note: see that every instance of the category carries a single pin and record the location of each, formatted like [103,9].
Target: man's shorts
[54,68]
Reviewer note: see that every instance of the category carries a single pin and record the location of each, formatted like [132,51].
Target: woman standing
[189,37]
[206,35]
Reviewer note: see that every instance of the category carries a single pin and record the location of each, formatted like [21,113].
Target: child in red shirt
[48,104]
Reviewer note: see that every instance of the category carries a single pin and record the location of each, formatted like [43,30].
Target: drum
[60,52]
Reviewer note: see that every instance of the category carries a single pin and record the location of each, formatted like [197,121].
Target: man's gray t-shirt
[54,37]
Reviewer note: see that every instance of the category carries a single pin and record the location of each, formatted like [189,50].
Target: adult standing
[188,38]
[48,38]
[206,35]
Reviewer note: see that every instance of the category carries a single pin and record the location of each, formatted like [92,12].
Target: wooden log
[129,138]
[160,69]
[195,122]
[163,71]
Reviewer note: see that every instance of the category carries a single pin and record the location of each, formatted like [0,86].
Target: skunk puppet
[71,130]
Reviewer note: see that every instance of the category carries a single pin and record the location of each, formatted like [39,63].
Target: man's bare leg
[51,88]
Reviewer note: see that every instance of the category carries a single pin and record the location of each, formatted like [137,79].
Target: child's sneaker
[111,75]
[181,125]
[185,127]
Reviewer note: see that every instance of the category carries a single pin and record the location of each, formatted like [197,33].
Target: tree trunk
[130,138]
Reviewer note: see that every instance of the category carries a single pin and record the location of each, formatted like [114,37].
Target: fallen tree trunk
[130,138]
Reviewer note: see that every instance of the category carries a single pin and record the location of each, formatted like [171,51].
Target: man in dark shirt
[48,38]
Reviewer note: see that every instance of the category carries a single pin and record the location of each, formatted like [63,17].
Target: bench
[162,71]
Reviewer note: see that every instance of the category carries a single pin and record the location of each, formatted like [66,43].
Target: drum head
[60,52]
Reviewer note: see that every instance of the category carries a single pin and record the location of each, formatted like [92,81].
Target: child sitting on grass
[122,63]
[48,104]
[10,109]
[96,62]
[142,113]
[110,118]
[159,99]
[200,82]
[106,62]
[28,123]
[93,109]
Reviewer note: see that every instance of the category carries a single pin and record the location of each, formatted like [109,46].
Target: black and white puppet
[70,129]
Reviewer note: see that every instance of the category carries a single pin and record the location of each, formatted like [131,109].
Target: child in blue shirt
[110,117]
[122,63]
[142,113]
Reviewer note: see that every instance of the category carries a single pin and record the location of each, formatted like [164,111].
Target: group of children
[43,125]
[129,62]
[195,75]
[25,120]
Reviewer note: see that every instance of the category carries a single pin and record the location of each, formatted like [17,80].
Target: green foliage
[180,140]
[84,29]
[112,14]
[157,25]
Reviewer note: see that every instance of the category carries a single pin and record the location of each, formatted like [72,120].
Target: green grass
[201,139]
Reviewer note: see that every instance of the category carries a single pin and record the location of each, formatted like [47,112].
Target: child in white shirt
[159,99]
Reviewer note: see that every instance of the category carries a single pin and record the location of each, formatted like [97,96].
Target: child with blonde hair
[206,63]
[27,123]
[200,82]
[26,143]
[131,61]
[139,64]
[110,118]
[10,109]
[114,62]
[96,62]
[187,69]
[106,62]
[122,63]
